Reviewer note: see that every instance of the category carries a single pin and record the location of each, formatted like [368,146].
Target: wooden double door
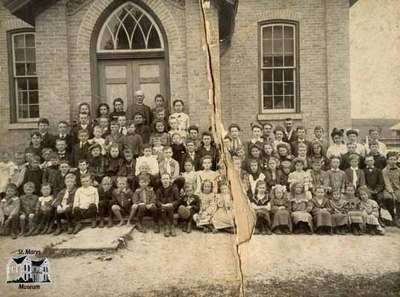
[122,78]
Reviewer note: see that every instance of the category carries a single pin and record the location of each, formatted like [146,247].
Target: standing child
[280,209]
[141,127]
[189,207]
[167,201]
[206,174]
[181,117]
[194,136]
[64,204]
[133,140]
[319,137]
[354,174]
[300,176]
[44,211]
[301,208]
[121,199]
[98,138]
[223,216]
[105,198]
[236,143]
[6,171]
[114,138]
[338,209]
[254,175]
[261,204]
[391,194]
[208,206]
[178,148]
[320,211]
[97,163]
[86,202]
[370,211]
[81,149]
[336,178]
[9,210]
[160,133]
[34,174]
[189,175]
[168,164]
[114,162]
[18,173]
[123,125]
[144,203]
[28,208]
[353,210]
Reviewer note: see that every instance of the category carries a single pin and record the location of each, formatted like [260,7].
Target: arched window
[129,28]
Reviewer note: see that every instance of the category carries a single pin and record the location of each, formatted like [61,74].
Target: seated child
[52,175]
[28,208]
[144,203]
[223,216]
[121,202]
[34,174]
[160,134]
[85,203]
[189,206]
[317,175]
[208,206]
[142,127]
[301,208]
[272,173]
[98,163]
[149,159]
[9,210]
[283,178]
[105,197]
[64,204]
[261,204]
[280,209]
[114,162]
[114,138]
[157,149]
[321,212]
[338,209]
[44,212]
[173,124]
[167,201]
[128,166]
[370,212]
[208,148]
[123,122]
[353,210]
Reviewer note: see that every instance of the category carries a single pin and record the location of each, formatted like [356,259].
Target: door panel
[123,78]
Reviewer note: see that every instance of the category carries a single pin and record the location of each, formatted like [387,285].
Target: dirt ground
[200,264]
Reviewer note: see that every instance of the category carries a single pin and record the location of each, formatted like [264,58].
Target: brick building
[272,59]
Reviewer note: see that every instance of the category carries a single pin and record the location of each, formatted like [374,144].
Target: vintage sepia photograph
[200,148]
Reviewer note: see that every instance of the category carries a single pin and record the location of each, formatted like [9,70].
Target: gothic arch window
[129,29]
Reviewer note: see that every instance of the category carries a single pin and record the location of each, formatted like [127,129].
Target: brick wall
[239,66]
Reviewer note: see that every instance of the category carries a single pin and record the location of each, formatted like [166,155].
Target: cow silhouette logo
[27,269]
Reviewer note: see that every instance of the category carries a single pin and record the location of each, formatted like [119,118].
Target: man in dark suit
[290,134]
[63,133]
[81,149]
[301,138]
[83,124]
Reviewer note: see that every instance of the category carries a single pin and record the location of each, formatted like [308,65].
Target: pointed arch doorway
[131,55]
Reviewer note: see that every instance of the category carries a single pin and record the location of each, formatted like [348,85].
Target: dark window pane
[278,75]
[30,55]
[138,40]
[268,102]
[20,95]
[288,75]
[289,88]
[106,41]
[278,32]
[130,24]
[24,97]
[267,32]
[278,61]
[289,61]
[267,75]
[30,40]
[122,13]
[19,41]
[278,88]
[34,111]
[122,40]
[289,45]
[31,68]
[288,34]
[267,61]
[33,83]
[22,83]
[23,111]
[278,102]
[19,55]
[33,97]
[154,39]
[136,12]
[267,47]
[278,47]
[268,89]
[20,69]
[289,102]
[146,24]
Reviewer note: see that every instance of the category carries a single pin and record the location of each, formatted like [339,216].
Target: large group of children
[117,166]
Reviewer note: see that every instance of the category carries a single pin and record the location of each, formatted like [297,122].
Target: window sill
[22,126]
[279,116]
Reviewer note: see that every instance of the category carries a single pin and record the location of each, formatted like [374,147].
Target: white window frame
[15,79]
[294,67]
[105,27]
